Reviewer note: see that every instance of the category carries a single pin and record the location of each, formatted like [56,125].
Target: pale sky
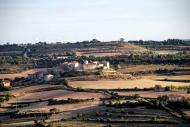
[30,21]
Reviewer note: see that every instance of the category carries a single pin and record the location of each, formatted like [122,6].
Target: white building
[5,83]
[175,98]
[106,65]
[48,77]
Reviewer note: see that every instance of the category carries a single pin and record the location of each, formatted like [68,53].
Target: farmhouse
[48,77]
[41,76]
[89,66]
[5,83]
[37,75]
[66,67]
[174,98]
[94,65]
[76,66]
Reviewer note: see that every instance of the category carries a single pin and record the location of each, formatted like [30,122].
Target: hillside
[80,48]
[109,49]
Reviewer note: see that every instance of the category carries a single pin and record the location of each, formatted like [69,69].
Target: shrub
[188,91]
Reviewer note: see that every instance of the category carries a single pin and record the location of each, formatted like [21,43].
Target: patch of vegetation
[180,104]
[6,97]
[5,88]
[68,101]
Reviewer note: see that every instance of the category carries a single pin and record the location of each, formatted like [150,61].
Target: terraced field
[153,94]
[22,74]
[115,84]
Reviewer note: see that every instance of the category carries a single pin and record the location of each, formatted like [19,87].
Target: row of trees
[144,58]
[14,60]
[165,42]
[141,58]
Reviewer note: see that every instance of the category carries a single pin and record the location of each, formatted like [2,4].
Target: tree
[121,39]
[94,41]
[188,91]
[167,88]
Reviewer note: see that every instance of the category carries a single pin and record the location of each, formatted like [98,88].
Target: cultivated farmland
[114,84]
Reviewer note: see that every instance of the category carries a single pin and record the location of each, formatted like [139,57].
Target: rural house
[5,83]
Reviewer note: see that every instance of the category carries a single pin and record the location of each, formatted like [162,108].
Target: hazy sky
[29,21]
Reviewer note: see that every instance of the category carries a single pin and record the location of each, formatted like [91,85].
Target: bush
[3,88]
[167,88]
[79,89]
[39,123]
[188,91]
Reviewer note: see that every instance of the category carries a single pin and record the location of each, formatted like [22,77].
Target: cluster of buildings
[54,73]
[41,77]
[76,66]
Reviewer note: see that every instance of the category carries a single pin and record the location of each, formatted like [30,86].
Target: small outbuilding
[5,83]
[48,77]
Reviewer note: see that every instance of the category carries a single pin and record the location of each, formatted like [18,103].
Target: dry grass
[26,94]
[67,107]
[151,67]
[169,77]
[30,94]
[153,94]
[166,51]
[22,74]
[112,84]
[97,54]
[58,94]
[20,92]
[120,49]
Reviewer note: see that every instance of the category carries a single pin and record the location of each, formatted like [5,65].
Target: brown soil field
[153,94]
[22,74]
[113,84]
[19,92]
[67,107]
[169,77]
[151,67]
[27,94]
[30,94]
[58,94]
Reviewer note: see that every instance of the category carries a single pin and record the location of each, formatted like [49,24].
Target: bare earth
[153,94]
[67,107]
[28,94]
[169,77]
[22,74]
[20,92]
[58,94]
[112,84]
